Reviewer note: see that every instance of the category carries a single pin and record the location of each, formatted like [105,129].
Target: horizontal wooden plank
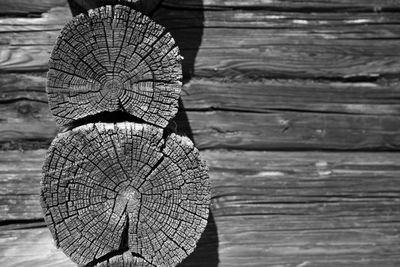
[269,209]
[373,5]
[286,183]
[236,244]
[279,44]
[272,114]
[293,95]
[30,248]
[366,98]
[55,19]
[23,122]
[23,7]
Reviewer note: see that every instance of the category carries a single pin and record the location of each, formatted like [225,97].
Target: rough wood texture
[27,124]
[279,45]
[316,74]
[51,21]
[114,188]
[23,7]
[348,5]
[270,209]
[365,98]
[27,6]
[144,6]
[114,59]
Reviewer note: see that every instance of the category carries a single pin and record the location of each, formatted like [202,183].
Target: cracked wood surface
[36,6]
[363,98]
[274,114]
[269,208]
[293,65]
[276,44]
[111,188]
[114,59]
[372,5]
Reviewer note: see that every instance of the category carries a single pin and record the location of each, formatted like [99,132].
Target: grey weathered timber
[323,45]
[372,5]
[23,7]
[114,59]
[28,6]
[114,188]
[364,98]
[27,124]
[270,208]
[280,75]
[144,6]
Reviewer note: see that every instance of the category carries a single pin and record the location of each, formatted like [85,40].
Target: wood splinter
[122,193]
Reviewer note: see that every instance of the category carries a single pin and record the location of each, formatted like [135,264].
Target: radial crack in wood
[127,259]
[114,59]
[111,188]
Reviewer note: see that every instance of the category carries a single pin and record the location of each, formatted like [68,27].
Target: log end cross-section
[114,59]
[122,194]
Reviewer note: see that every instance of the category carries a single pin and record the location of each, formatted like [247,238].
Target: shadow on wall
[186,26]
[206,252]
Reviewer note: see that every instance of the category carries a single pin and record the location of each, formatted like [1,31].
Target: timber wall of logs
[293,104]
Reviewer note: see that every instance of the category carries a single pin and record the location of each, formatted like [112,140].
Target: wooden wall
[294,104]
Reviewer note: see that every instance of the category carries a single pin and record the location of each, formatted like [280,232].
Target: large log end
[114,59]
[124,192]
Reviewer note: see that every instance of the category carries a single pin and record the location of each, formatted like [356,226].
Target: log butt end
[110,189]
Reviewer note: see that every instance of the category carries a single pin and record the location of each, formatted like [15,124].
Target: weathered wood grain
[364,98]
[23,122]
[380,24]
[242,242]
[23,7]
[333,99]
[19,86]
[373,5]
[34,247]
[53,20]
[113,188]
[270,209]
[280,20]
[323,46]
[327,181]
[82,6]
[293,95]
[114,59]
[251,59]
[36,6]
[292,209]
[26,120]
